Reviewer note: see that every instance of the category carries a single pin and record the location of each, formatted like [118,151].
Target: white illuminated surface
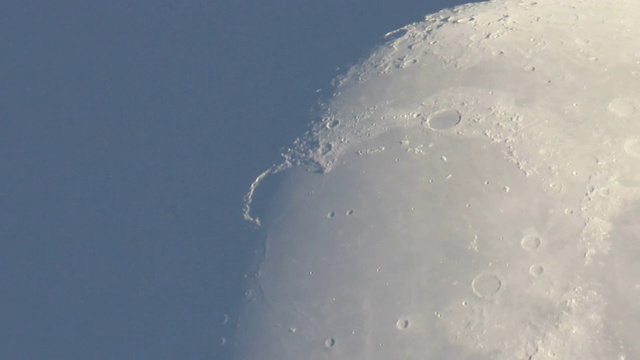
[472,193]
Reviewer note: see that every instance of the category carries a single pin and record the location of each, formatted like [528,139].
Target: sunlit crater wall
[470,194]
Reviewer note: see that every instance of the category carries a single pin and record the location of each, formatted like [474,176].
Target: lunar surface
[472,192]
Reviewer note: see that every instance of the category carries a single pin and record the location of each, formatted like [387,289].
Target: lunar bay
[472,192]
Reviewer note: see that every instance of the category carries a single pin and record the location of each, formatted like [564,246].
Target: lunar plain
[471,192]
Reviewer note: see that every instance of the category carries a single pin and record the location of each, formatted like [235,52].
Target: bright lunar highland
[471,192]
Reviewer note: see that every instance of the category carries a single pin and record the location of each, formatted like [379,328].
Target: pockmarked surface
[472,192]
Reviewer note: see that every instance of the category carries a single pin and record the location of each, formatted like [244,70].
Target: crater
[329,342]
[531,242]
[402,324]
[443,119]
[486,285]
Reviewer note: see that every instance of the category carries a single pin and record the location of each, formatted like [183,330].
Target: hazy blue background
[129,132]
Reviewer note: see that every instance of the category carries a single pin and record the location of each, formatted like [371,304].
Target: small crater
[555,188]
[443,119]
[362,152]
[536,270]
[396,34]
[486,285]
[409,63]
[529,68]
[402,324]
[329,343]
[331,214]
[349,212]
[332,124]
[531,242]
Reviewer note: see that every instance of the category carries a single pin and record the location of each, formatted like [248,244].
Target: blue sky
[130,130]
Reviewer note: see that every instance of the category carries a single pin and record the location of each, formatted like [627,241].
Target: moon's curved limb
[478,182]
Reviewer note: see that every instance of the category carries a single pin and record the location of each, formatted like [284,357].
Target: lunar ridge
[470,193]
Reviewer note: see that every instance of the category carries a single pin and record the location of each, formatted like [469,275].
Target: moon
[471,192]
